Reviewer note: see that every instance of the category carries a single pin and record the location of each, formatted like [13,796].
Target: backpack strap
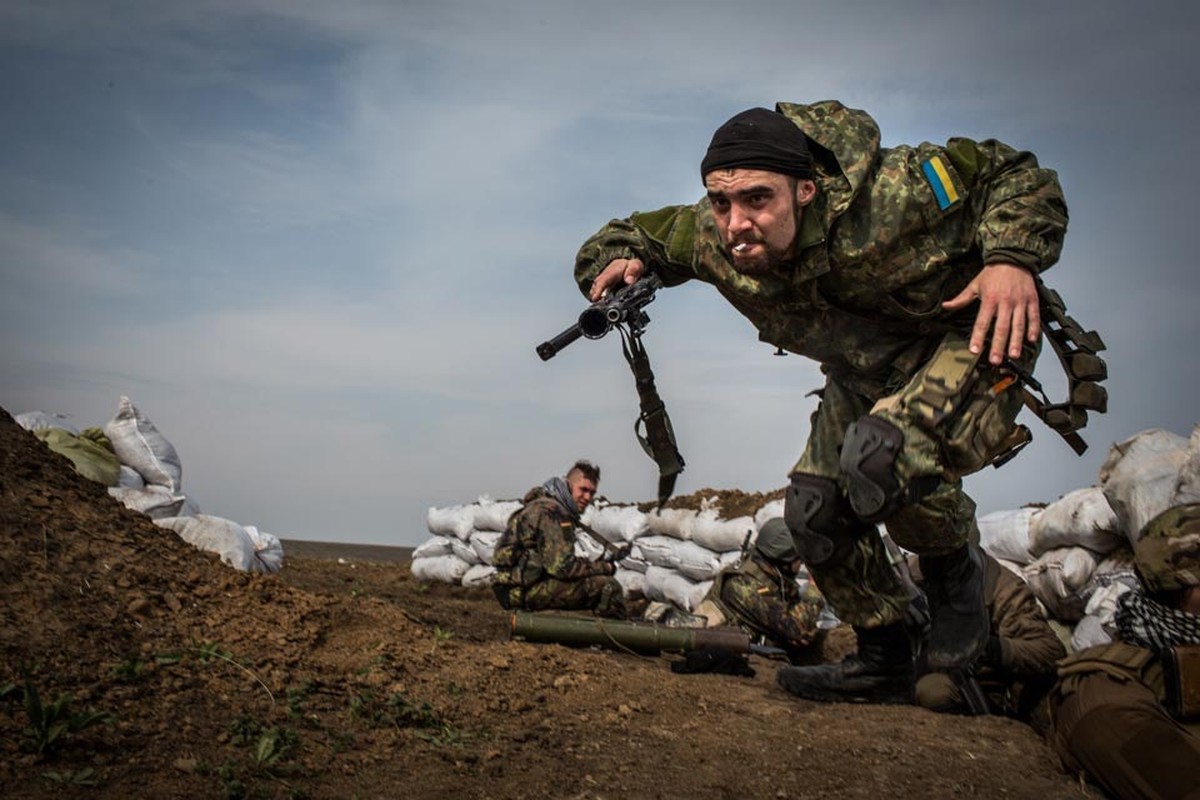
[658,439]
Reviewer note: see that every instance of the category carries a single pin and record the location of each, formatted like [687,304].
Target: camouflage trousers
[600,594]
[957,414]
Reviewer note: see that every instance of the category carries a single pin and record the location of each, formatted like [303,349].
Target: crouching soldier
[761,595]
[535,561]
[1127,714]
[1017,667]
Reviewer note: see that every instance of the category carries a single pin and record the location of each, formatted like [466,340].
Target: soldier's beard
[762,257]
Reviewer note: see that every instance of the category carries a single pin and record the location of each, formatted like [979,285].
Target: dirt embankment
[132,664]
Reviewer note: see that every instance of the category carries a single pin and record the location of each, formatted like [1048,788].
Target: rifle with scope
[621,307]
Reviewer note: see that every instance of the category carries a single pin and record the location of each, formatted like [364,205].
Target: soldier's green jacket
[539,543]
[758,597]
[878,251]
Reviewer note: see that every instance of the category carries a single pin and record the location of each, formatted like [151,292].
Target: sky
[317,243]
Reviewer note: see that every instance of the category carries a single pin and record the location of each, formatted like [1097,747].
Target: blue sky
[316,243]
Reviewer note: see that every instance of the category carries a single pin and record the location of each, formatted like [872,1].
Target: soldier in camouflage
[535,560]
[761,595]
[889,266]
[1127,714]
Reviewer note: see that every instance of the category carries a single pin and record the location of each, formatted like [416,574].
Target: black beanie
[759,139]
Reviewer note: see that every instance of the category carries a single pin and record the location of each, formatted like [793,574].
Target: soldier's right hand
[621,553]
[619,271]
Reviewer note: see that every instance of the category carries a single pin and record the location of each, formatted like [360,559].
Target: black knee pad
[810,510]
[869,454]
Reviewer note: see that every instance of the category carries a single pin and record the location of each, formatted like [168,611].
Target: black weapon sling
[653,426]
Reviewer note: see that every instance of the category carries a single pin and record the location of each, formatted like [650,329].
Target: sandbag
[465,551]
[1140,477]
[217,535]
[34,421]
[139,444]
[433,547]
[721,535]
[688,558]
[267,548]
[631,580]
[130,478]
[456,521]
[1187,491]
[484,544]
[492,515]
[1082,518]
[156,502]
[766,512]
[616,523]
[442,569]
[1057,578]
[91,460]
[479,575]
[671,587]
[669,522]
[1005,534]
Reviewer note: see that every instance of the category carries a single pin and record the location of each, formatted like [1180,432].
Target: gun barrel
[641,637]
[549,348]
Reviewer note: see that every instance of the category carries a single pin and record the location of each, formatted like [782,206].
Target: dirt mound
[135,665]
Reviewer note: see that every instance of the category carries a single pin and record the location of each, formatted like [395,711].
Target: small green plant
[272,745]
[72,777]
[130,671]
[296,696]
[50,723]
[440,636]
[209,650]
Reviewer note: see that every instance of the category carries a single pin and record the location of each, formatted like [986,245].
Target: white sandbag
[1057,578]
[1005,534]
[492,515]
[688,558]
[465,551]
[130,478]
[484,544]
[721,535]
[1140,476]
[631,580]
[1187,491]
[766,512]
[616,523]
[442,569]
[669,522]
[479,575]
[1089,632]
[456,521]
[40,420]
[671,587]
[435,546]
[267,548]
[217,535]
[1082,518]
[156,502]
[139,444]
[586,547]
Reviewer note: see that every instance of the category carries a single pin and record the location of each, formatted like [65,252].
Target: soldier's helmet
[775,541]
[1168,552]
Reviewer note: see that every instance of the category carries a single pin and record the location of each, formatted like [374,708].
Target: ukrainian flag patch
[940,181]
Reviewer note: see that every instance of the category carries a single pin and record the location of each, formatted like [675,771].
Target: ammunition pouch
[1076,350]
[1181,676]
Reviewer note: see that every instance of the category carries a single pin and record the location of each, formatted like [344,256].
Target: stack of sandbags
[464,537]
[146,475]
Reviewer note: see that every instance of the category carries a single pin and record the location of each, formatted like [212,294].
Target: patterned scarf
[558,489]
[1145,623]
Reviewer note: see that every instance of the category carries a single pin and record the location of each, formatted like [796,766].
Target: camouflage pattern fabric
[536,565]
[1168,551]
[877,253]
[758,597]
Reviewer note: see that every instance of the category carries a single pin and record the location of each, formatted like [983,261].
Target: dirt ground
[135,665]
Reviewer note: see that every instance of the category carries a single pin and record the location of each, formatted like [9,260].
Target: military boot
[880,672]
[959,625]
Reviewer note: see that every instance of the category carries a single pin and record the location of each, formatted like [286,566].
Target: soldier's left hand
[1008,304]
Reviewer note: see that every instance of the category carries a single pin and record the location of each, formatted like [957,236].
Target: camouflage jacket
[892,233]
[539,543]
[758,597]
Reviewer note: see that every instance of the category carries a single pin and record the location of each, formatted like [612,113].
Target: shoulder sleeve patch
[942,180]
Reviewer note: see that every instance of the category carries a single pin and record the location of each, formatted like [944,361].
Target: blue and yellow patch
[940,181]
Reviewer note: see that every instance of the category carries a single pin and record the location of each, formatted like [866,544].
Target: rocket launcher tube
[640,637]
